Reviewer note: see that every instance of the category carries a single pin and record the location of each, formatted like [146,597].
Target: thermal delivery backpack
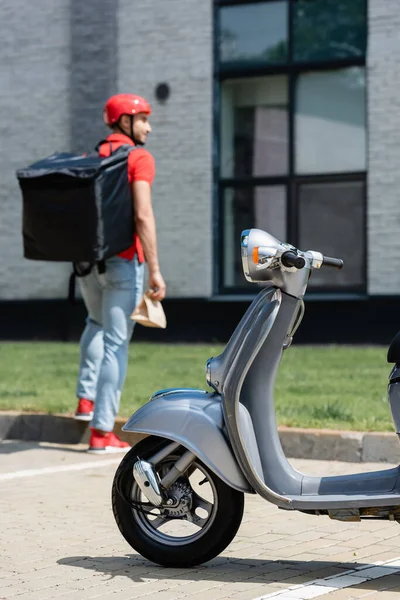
[77,208]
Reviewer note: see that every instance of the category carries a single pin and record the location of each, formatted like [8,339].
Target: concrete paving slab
[60,540]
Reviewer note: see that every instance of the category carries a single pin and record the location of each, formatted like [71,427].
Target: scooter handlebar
[291,259]
[335,263]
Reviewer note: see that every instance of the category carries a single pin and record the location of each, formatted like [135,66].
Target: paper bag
[149,313]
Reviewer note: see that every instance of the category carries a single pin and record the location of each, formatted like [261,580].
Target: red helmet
[124,104]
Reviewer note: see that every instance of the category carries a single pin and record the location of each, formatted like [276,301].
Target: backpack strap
[97,148]
[71,288]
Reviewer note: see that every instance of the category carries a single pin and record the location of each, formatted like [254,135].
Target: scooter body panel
[194,419]
[244,374]
[342,501]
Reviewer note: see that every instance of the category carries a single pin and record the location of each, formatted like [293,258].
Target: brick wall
[171,41]
[384,147]
[34,109]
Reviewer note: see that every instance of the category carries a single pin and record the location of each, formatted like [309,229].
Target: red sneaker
[84,410]
[106,444]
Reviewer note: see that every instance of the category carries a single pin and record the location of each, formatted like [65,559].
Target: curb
[317,444]
[347,446]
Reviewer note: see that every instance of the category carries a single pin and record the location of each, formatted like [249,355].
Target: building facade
[280,114]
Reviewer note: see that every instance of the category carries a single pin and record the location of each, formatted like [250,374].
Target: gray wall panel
[172,42]
[94,68]
[34,104]
[384,147]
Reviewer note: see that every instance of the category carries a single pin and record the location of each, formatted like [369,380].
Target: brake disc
[179,500]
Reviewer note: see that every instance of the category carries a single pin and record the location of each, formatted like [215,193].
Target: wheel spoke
[156,523]
[199,502]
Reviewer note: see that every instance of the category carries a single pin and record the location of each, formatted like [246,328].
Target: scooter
[178,495]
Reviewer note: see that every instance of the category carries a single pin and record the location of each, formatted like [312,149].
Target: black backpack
[77,208]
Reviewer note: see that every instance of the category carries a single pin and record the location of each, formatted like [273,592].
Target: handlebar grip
[336,263]
[291,259]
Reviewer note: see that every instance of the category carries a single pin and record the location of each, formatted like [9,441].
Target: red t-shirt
[141,167]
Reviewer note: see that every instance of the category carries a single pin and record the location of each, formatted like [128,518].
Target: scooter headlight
[260,253]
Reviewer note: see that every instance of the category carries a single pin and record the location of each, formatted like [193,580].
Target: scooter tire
[217,537]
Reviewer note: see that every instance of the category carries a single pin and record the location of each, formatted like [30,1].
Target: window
[254,32]
[331,216]
[291,132]
[325,30]
[254,127]
[330,121]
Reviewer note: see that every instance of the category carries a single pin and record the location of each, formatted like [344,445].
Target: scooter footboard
[194,419]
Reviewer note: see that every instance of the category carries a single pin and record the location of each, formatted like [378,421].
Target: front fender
[194,419]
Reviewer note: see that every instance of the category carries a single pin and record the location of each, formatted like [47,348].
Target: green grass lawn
[338,387]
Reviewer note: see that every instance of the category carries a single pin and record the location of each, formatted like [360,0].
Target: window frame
[292,181]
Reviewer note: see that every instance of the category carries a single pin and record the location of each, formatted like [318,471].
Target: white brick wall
[384,147]
[34,122]
[171,41]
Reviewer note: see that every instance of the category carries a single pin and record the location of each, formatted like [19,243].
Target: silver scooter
[178,495]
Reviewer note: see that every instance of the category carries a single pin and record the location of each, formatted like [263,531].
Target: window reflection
[331,221]
[329,29]
[254,127]
[330,122]
[254,32]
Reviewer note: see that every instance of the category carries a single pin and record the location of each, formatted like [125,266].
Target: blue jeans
[110,299]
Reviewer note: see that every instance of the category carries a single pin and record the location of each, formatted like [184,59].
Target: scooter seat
[393,355]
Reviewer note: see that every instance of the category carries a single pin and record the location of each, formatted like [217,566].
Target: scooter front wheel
[200,524]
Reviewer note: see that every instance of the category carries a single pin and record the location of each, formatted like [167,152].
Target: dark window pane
[263,207]
[330,122]
[254,127]
[329,29]
[331,221]
[254,33]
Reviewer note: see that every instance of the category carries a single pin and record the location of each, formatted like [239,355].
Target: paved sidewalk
[59,541]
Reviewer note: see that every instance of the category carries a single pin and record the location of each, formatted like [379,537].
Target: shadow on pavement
[221,569]
[54,429]
[14,446]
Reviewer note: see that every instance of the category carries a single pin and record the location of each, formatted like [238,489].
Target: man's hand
[157,286]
